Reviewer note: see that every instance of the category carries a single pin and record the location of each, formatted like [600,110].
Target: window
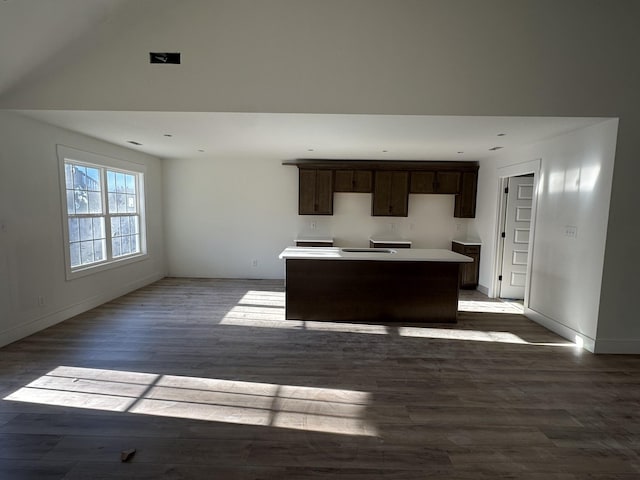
[103,211]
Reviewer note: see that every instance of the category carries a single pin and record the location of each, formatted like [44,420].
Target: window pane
[75,254]
[74,230]
[115,227]
[134,224]
[86,230]
[93,179]
[115,247]
[71,204]
[131,204]
[98,228]
[68,176]
[125,245]
[81,201]
[135,244]
[120,183]
[86,252]
[79,174]
[99,250]
[122,202]
[111,181]
[113,206]
[95,202]
[131,184]
[125,226]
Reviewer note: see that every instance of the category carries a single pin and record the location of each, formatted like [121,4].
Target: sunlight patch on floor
[490,306]
[265,309]
[249,403]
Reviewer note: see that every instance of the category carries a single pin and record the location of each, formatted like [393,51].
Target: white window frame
[104,163]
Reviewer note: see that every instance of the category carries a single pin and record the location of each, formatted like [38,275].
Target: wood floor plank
[205,379]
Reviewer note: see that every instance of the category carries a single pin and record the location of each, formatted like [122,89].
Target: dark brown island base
[372,284]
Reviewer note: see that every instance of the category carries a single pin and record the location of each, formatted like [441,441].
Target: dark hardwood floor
[205,379]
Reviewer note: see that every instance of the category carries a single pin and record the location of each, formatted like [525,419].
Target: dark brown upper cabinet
[442,182]
[390,181]
[390,194]
[315,192]
[465,206]
[358,181]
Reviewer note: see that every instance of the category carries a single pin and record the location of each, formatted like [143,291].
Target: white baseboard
[483,289]
[570,334]
[29,328]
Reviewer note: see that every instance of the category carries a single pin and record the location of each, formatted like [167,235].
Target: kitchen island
[372,284]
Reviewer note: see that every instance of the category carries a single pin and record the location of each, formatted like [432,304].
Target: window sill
[101,267]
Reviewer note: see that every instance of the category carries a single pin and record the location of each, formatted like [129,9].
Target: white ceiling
[399,137]
[34,32]
[37,33]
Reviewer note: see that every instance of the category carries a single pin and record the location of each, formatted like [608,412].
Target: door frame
[524,168]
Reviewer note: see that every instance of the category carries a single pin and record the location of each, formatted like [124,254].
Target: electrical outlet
[571,231]
[312,225]
[42,301]
[392,226]
[3,226]
[254,262]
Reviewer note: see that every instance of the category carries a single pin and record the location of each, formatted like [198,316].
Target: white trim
[25,329]
[523,168]
[570,334]
[103,162]
[483,289]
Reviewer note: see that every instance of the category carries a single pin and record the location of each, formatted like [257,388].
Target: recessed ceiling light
[310,150]
[385,151]
[201,151]
[168,135]
[133,142]
[495,148]
[501,134]
[460,152]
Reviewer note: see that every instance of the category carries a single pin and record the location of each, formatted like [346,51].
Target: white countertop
[389,240]
[379,254]
[314,238]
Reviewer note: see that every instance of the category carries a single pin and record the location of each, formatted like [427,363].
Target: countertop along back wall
[223,213]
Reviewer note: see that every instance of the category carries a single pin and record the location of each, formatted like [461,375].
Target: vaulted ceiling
[45,45]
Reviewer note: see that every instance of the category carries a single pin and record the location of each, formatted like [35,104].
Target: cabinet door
[352,181]
[362,180]
[469,272]
[315,192]
[448,182]
[343,181]
[390,194]
[465,206]
[423,182]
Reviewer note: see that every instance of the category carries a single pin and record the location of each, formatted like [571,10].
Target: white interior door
[516,237]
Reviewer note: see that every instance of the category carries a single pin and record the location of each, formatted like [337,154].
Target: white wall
[223,213]
[31,244]
[432,57]
[574,188]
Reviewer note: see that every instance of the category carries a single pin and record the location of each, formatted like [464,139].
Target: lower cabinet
[469,272]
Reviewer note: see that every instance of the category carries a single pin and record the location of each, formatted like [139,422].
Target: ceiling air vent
[164,57]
